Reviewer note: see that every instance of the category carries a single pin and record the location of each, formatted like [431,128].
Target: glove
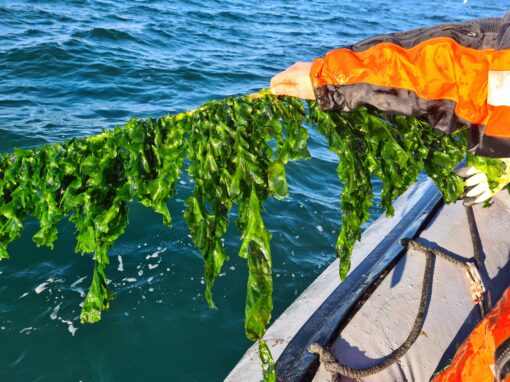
[484,177]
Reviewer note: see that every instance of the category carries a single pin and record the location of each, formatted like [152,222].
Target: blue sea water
[71,68]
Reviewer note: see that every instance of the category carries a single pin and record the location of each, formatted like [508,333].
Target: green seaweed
[237,149]
[393,148]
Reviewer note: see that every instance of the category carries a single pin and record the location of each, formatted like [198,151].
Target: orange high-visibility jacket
[485,355]
[453,74]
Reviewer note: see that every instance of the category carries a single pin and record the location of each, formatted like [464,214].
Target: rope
[477,287]
[422,248]
[332,365]
[475,236]
[485,303]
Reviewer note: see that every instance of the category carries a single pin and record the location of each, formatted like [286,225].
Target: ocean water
[72,68]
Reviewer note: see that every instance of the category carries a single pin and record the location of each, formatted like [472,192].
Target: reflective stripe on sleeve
[499,88]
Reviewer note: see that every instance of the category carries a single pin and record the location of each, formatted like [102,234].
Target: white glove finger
[476,179]
[485,196]
[472,171]
[478,190]
[465,171]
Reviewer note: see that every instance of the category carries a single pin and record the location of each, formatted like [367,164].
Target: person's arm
[444,73]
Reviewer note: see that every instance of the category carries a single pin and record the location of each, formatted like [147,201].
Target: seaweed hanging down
[237,150]
[395,150]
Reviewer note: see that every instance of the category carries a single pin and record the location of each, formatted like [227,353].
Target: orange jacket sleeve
[452,74]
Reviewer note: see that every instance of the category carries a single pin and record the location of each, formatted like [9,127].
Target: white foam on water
[129,279]
[54,314]
[153,266]
[26,330]
[156,254]
[140,273]
[319,228]
[43,286]
[23,295]
[121,265]
[150,279]
[78,281]
[71,328]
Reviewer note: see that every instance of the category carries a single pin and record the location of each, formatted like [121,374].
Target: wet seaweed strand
[237,149]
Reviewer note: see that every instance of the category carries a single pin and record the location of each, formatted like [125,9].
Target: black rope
[332,365]
[422,248]
[478,255]
[475,237]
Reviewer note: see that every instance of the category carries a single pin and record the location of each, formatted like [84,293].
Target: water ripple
[72,68]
